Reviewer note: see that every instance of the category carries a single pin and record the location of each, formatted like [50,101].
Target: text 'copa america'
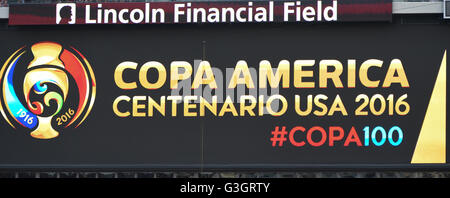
[300,74]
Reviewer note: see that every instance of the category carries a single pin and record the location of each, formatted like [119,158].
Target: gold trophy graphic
[46,68]
[34,93]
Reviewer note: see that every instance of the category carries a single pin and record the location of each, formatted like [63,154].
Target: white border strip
[397,8]
[417,7]
[4,12]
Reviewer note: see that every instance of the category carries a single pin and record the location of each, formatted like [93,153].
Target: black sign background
[104,140]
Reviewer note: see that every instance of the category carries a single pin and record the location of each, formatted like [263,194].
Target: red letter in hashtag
[333,138]
[291,136]
[352,137]
[309,136]
[278,136]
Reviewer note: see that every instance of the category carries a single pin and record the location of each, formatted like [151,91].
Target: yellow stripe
[430,147]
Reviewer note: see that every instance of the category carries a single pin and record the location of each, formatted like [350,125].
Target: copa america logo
[46,88]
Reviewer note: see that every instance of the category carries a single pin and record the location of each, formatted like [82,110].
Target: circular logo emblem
[46,88]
